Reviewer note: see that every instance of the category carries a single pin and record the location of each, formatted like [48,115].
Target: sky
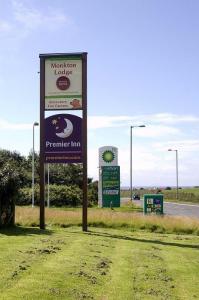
[143,68]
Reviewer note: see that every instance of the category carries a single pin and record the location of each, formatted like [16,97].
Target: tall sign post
[109,177]
[63,137]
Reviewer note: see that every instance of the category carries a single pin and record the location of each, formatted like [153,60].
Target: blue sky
[143,68]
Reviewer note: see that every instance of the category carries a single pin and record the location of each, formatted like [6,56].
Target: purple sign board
[63,139]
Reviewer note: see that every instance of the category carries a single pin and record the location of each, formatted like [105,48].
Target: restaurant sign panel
[63,139]
[63,83]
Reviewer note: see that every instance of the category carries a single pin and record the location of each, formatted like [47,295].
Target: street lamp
[176,151]
[33,162]
[131,156]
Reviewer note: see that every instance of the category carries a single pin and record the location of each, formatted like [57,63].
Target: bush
[24,196]
[65,195]
[93,193]
[59,196]
[183,196]
[168,188]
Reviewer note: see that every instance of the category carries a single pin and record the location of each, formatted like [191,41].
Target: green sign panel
[110,186]
[153,203]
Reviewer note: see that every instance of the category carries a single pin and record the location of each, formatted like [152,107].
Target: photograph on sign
[63,139]
[63,83]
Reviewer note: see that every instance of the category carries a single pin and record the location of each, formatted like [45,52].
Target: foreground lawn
[102,264]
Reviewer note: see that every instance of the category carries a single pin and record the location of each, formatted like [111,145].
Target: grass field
[190,195]
[125,217]
[124,255]
[103,264]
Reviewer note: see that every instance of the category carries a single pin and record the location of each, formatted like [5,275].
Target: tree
[17,161]
[16,173]
[29,168]
[67,174]
[10,179]
[92,192]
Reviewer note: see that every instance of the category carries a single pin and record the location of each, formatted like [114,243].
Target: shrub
[65,195]
[25,196]
[93,193]
[168,188]
[59,195]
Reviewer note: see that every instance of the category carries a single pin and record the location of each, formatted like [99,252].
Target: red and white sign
[63,83]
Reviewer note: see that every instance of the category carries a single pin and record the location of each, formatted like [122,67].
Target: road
[175,209]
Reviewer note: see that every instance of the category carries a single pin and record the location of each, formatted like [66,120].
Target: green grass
[118,218]
[102,264]
[186,195]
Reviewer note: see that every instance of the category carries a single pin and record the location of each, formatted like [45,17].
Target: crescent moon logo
[67,130]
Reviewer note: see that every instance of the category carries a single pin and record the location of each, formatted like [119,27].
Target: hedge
[60,195]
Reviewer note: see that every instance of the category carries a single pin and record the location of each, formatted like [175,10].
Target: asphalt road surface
[174,209]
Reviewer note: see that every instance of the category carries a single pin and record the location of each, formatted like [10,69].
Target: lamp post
[33,162]
[176,151]
[131,156]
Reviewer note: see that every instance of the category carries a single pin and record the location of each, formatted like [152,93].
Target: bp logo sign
[108,156]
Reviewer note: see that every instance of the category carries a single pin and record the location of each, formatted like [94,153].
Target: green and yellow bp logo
[108,156]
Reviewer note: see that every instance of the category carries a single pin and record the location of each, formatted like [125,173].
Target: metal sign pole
[42,116]
[84,140]
[48,197]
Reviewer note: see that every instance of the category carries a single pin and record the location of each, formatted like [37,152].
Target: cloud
[32,18]
[146,165]
[5,125]
[5,27]
[168,118]
[152,128]
[96,122]
[188,145]
[153,131]
[152,163]
[25,19]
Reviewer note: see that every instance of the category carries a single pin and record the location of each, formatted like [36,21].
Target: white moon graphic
[67,131]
